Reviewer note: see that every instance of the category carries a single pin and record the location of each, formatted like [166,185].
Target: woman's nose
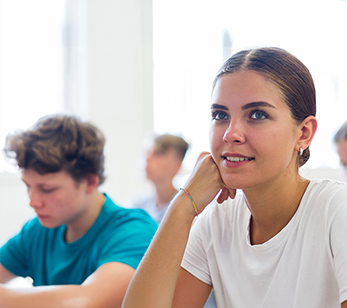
[234,133]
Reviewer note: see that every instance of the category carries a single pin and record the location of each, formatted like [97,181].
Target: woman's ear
[308,128]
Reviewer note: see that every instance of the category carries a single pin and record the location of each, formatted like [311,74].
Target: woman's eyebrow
[216,106]
[257,104]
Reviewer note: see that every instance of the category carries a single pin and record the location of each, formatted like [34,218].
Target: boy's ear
[92,182]
[308,129]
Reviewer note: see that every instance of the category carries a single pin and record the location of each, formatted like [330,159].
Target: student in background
[164,155]
[82,249]
[340,140]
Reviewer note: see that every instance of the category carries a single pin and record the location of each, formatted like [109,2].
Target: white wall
[121,86]
[120,101]
[14,209]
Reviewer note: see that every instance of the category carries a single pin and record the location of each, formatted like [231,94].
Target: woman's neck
[273,208]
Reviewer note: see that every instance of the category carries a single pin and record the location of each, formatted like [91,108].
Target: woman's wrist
[191,200]
[183,207]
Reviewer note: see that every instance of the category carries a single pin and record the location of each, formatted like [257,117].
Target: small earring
[301,151]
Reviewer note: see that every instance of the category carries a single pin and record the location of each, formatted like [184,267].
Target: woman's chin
[233,182]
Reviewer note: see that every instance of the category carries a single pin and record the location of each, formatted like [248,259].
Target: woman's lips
[236,160]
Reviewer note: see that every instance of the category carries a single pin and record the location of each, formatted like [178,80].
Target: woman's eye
[219,115]
[258,115]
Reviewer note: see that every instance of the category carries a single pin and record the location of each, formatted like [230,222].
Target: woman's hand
[205,182]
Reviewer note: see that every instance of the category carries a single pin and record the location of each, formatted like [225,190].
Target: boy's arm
[104,288]
[5,275]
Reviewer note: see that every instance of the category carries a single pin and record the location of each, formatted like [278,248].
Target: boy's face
[56,197]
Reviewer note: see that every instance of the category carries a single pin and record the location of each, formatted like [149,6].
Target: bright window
[31,74]
[193,38]
[42,57]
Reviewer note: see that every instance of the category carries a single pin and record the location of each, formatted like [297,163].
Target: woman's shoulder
[326,194]
[328,182]
[326,187]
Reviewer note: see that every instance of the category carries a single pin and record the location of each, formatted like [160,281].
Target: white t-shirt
[303,266]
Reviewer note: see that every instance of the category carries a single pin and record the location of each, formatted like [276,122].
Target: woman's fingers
[205,182]
[225,194]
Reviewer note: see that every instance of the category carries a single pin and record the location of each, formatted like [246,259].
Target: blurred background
[137,66]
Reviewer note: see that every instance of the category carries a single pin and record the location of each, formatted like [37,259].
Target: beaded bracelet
[191,199]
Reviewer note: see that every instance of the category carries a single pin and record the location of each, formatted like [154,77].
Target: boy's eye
[219,115]
[47,191]
[258,115]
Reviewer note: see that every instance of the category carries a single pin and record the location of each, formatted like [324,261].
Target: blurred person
[82,249]
[340,139]
[164,155]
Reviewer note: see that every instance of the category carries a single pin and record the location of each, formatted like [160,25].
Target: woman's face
[253,137]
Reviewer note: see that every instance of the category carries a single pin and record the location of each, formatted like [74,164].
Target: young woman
[280,242]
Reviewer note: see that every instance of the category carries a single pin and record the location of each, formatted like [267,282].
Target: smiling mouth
[237,159]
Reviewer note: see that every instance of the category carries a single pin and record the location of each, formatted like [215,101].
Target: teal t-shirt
[118,235]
